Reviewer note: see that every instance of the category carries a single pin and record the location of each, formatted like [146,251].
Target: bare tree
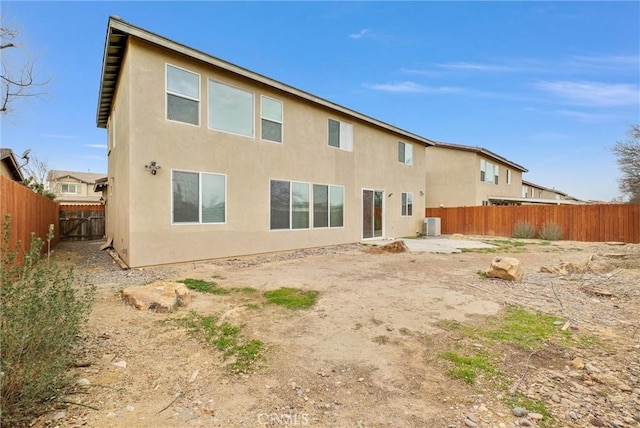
[628,154]
[37,172]
[17,78]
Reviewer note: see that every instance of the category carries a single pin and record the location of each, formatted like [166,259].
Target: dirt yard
[368,354]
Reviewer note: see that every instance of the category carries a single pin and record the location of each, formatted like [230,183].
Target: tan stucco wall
[118,195]
[453,179]
[141,203]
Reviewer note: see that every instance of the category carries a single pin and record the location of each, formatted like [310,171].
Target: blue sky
[549,85]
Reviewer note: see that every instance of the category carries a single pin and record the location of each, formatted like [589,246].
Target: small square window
[405,153]
[340,135]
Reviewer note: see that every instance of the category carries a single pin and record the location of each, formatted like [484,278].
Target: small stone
[83,382]
[555,398]
[566,402]
[519,412]
[473,417]
[577,363]
[526,423]
[558,322]
[59,415]
[636,391]
[470,423]
[575,415]
[121,363]
[625,388]
[536,416]
[130,408]
[482,408]
[597,422]
[590,368]
[616,424]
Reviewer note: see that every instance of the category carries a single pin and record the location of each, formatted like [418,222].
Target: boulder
[160,296]
[396,247]
[508,268]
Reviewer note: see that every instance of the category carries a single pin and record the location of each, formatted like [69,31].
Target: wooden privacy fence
[592,223]
[30,213]
[81,222]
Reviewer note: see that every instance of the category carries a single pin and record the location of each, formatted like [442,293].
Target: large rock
[508,268]
[160,296]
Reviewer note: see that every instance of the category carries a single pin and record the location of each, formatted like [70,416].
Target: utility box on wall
[431,226]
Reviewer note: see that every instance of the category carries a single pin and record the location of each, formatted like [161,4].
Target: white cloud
[593,93]
[409,87]
[471,66]
[583,116]
[364,32]
[96,146]
[618,64]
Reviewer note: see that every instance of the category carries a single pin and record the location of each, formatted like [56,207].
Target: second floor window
[271,123]
[405,153]
[489,173]
[70,188]
[183,95]
[230,109]
[340,135]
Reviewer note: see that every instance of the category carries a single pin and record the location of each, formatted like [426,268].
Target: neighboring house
[9,166]
[535,194]
[207,159]
[73,187]
[459,175]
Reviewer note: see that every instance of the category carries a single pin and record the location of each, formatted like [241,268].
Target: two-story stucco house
[74,187]
[459,175]
[533,193]
[207,159]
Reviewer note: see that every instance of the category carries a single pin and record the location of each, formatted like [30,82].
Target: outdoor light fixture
[101,200]
[153,167]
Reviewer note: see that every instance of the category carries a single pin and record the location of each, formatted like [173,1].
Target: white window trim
[508,176]
[402,205]
[253,109]
[410,162]
[345,130]
[75,185]
[271,120]
[311,213]
[199,222]
[166,91]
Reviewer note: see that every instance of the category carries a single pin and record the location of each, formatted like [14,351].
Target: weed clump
[292,298]
[550,232]
[523,230]
[43,309]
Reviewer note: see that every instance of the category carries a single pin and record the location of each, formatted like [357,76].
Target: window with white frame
[508,176]
[271,119]
[230,109]
[70,188]
[289,205]
[525,192]
[183,95]
[199,197]
[340,135]
[489,173]
[293,204]
[405,153]
[328,206]
[407,204]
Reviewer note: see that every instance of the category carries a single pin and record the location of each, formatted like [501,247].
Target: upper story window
[183,95]
[199,197]
[230,109]
[525,192]
[405,153]
[489,173]
[340,135]
[271,119]
[70,188]
[508,176]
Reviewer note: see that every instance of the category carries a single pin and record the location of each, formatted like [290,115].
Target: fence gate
[81,222]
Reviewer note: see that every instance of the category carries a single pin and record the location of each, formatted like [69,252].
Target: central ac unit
[431,226]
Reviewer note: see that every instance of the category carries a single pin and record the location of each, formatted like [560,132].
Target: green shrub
[550,232]
[523,230]
[43,309]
